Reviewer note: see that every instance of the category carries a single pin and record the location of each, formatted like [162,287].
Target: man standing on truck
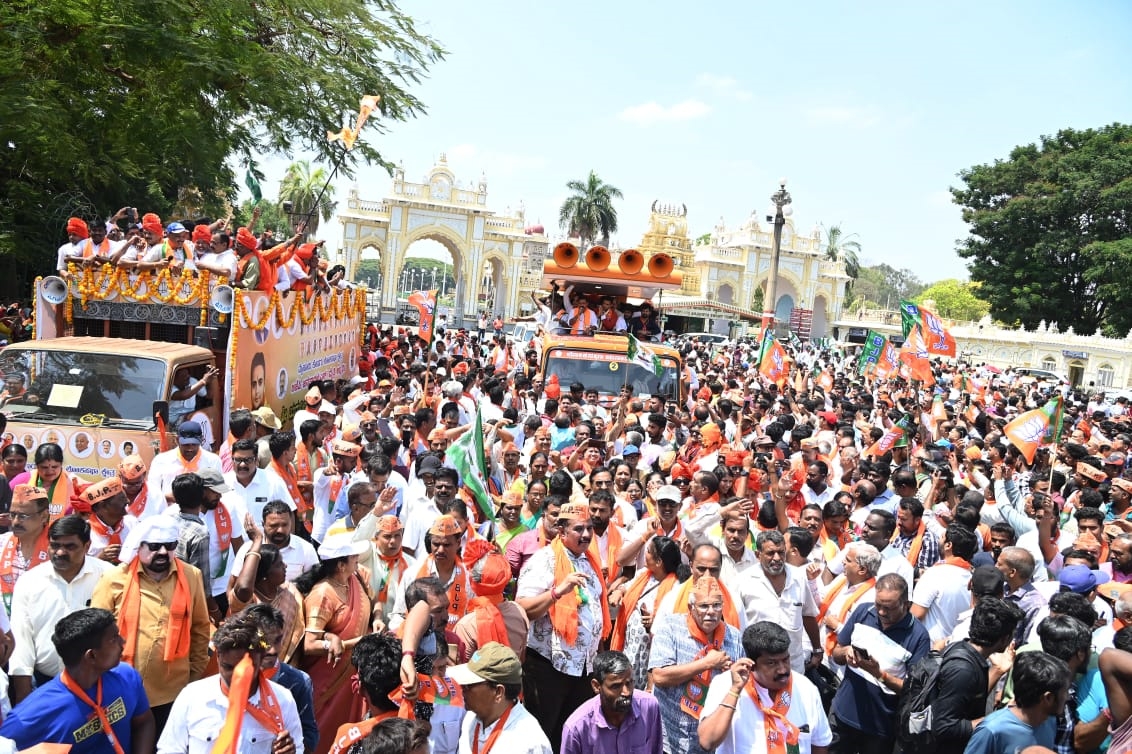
[249,267]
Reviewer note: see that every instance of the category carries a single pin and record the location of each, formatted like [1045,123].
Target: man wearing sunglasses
[160,606]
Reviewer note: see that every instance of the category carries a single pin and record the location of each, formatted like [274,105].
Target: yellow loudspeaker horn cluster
[597,258]
[565,254]
[631,262]
[661,265]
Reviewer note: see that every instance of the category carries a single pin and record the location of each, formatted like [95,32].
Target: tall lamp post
[776,214]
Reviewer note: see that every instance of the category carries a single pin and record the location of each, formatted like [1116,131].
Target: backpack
[914,729]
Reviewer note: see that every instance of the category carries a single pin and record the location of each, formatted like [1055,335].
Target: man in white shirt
[42,596]
[255,486]
[492,682]
[941,594]
[187,457]
[299,555]
[77,232]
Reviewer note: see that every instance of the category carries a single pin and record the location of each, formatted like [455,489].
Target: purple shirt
[587,731]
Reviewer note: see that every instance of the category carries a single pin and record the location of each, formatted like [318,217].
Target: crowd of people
[741,570]
[244,258]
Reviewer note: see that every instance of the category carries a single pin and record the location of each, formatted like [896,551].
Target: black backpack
[915,731]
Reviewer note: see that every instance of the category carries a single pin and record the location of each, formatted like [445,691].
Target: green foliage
[271,217]
[757,298]
[588,213]
[883,286]
[839,245]
[303,187]
[955,299]
[136,101]
[367,273]
[1051,230]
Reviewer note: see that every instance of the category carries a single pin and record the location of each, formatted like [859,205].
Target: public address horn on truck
[565,255]
[597,258]
[661,265]
[630,262]
[53,289]
[222,299]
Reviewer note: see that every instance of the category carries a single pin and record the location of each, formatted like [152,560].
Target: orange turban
[305,251]
[711,435]
[76,226]
[152,223]
[245,238]
[202,234]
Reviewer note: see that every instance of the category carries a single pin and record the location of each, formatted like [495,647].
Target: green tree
[588,213]
[883,286]
[367,273]
[842,246]
[135,102]
[955,299]
[1051,230]
[303,187]
[271,217]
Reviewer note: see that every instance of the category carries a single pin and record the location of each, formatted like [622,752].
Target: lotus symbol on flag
[1033,430]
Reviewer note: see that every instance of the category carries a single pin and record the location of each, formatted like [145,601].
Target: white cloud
[852,117]
[724,86]
[653,112]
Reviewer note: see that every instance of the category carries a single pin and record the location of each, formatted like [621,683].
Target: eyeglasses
[158,546]
[242,461]
[715,607]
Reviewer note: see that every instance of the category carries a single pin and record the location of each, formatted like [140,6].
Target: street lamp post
[776,214]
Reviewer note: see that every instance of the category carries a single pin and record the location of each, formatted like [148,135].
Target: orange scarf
[112,536]
[137,505]
[223,536]
[831,547]
[180,615]
[96,705]
[89,252]
[391,564]
[780,732]
[955,562]
[613,548]
[629,602]
[491,739]
[917,543]
[489,621]
[457,591]
[564,611]
[288,476]
[60,492]
[190,467]
[350,733]
[835,588]
[267,712]
[730,614]
[692,700]
[8,573]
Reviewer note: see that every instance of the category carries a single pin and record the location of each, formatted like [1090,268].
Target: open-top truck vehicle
[602,360]
[112,347]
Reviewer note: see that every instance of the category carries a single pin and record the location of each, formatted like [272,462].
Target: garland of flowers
[204,301]
[181,288]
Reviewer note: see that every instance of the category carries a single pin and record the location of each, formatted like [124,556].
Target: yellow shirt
[162,680]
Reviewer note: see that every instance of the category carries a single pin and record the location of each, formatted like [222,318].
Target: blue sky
[868,109]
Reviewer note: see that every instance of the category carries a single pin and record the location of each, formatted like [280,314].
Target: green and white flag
[643,357]
[467,457]
[253,185]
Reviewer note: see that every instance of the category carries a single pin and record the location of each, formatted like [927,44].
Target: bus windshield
[608,372]
[66,386]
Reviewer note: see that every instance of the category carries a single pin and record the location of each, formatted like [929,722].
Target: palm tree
[302,187]
[589,213]
[838,245]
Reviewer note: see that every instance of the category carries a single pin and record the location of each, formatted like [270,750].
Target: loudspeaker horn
[54,289]
[597,258]
[565,254]
[631,262]
[222,299]
[661,265]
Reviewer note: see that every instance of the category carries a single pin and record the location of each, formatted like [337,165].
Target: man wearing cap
[443,562]
[105,506]
[492,681]
[250,265]
[420,512]
[490,617]
[666,522]
[687,651]
[1120,501]
[43,596]
[563,591]
[331,483]
[312,400]
[162,612]
[266,424]
[222,515]
[26,545]
[254,486]
[187,457]
[142,500]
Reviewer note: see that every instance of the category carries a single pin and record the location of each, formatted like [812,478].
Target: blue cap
[175,228]
[630,450]
[1081,579]
[190,433]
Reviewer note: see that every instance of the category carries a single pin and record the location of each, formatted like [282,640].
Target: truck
[110,344]
[601,360]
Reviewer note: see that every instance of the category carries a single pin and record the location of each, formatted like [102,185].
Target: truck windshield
[606,373]
[67,386]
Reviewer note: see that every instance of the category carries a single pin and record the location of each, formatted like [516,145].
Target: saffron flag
[914,354]
[1034,428]
[349,135]
[644,357]
[937,339]
[773,363]
[888,363]
[888,440]
[467,457]
[425,301]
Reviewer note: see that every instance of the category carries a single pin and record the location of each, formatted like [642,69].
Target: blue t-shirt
[52,714]
[860,704]
[1001,732]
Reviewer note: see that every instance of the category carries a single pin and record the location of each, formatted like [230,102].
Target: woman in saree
[263,580]
[339,612]
[638,601]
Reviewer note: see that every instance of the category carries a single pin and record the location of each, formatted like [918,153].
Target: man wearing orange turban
[249,268]
[144,251]
[77,232]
